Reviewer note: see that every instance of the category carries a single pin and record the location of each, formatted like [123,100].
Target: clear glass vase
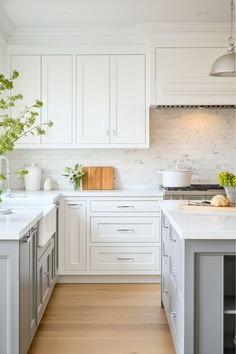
[231,194]
[78,186]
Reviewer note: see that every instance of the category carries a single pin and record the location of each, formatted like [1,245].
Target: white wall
[207,135]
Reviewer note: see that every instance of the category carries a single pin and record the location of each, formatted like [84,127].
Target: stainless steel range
[195,191]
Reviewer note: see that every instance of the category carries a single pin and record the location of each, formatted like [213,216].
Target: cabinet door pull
[166,227]
[27,239]
[173,273]
[125,206]
[165,255]
[125,259]
[165,291]
[106,132]
[125,230]
[172,314]
[113,132]
[47,274]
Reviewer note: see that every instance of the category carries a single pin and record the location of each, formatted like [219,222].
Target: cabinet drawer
[125,229]
[125,258]
[124,206]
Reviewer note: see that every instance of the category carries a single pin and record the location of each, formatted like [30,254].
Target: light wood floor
[104,319]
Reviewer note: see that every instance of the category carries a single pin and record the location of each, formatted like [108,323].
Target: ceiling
[112,13]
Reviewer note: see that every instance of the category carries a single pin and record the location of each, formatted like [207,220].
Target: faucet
[8,191]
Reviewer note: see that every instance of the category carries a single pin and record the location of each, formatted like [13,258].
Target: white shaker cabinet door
[57,98]
[92,118]
[28,84]
[128,101]
[75,235]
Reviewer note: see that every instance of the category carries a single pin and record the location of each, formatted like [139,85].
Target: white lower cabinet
[107,235]
[125,229]
[125,258]
[75,235]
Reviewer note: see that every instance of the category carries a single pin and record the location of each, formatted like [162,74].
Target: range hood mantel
[195,106]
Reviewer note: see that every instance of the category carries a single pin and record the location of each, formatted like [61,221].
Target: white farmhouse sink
[47,225]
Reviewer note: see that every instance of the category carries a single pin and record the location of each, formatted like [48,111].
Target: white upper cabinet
[57,98]
[93,100]
[111,100]
[28,83]
[128,101]
[92,118]
[182,77]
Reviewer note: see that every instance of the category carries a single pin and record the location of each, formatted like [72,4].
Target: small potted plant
[75,175]
[228,181]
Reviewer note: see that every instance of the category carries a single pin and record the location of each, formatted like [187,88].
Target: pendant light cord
[232,31]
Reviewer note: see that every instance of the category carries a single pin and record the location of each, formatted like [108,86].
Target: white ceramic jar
[33,178]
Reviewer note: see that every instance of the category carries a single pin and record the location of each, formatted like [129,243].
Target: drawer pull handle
[165,255]
[166,227]
[172,239]
[75,204]
[125,230]
[172,314]
[173,273]
[124,206]
[125,259]
[165,291]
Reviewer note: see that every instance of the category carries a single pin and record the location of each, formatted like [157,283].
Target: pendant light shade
[225,66]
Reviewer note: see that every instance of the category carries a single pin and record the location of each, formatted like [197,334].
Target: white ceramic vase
[33,178]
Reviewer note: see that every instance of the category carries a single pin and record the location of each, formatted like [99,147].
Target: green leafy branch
[14,128]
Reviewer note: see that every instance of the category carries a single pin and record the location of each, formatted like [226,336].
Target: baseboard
[93,279]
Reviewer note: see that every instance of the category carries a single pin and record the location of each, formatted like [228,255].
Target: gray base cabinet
[28,293]
[198,292]
[27,278]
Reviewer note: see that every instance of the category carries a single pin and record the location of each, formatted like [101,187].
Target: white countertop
[29,207]
[14,226]
[204,225]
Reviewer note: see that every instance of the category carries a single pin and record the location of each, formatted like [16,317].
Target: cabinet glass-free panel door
[128,99]
[28,84]
[75,235]
[92,112]
[57,98]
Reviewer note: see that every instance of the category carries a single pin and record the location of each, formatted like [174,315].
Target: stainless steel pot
[176,178]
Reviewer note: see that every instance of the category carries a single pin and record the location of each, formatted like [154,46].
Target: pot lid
[177,170]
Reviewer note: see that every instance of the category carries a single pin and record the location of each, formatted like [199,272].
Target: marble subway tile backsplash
[207,135]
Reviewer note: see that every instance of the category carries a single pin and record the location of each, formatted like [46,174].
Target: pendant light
[225,66]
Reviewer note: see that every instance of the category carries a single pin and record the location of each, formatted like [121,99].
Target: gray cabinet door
[33,282]
[27,294]
[45,278]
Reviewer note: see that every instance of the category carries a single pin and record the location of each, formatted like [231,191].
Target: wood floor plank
[104,319]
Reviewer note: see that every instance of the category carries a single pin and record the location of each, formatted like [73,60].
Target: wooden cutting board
[98,177]
[207,208]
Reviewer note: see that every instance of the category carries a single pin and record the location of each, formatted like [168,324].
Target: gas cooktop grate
[193,187]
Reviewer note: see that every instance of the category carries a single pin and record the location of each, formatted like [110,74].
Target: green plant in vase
[228,181]
[75,175]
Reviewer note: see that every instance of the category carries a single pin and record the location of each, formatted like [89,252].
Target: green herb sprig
[227,179]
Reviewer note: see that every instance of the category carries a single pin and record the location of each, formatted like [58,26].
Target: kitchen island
[198,278]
